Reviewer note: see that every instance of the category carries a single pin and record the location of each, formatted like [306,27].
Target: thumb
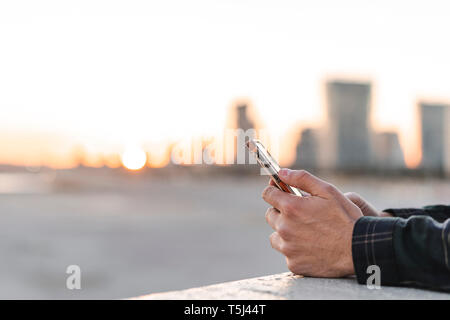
[305,181]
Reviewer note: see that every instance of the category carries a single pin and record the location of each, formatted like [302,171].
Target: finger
[366,208]
[280,200]
[305,181]
[272,216]
[276,241]
[272,183]
[355,198]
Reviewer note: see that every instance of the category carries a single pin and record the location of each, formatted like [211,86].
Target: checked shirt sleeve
[439,213]
[372,244]
[409,252]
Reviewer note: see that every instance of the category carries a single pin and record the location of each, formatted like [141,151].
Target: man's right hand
[366,208]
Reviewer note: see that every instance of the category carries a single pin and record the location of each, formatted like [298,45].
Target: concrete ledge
[289,286]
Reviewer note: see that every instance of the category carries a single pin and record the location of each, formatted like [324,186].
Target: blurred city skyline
[347,140]
[103,77]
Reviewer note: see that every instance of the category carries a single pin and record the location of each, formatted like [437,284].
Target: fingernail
[284,172]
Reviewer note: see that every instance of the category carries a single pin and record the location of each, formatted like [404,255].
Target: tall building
[246,131]
[387,151]
[347,143]
[243,120]
[307,150]
[435,137]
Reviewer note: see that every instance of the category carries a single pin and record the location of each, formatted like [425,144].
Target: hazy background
[107,74]
[96,95]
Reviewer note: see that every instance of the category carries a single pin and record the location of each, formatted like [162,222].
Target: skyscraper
[245,131]
[307,150]
[243,120]
[347,140]
[387,151]
[435,137]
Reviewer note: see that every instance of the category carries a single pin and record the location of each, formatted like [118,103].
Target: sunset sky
[112,74]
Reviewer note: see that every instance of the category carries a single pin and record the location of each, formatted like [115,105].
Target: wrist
[385,214]
[346,266]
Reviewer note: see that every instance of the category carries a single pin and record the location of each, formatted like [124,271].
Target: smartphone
[266,161]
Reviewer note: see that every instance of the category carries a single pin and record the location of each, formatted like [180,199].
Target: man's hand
[313,232]
[366,208]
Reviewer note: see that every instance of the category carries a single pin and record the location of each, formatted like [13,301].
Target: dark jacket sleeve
[409,252]
[439,213]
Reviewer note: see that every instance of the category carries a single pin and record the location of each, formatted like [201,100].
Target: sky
[109,74]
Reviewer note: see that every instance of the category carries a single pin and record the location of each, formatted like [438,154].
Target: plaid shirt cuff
[405,212]
[372,244]
[438,212]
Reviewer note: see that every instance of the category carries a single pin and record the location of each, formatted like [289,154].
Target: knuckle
[289,207]
[349,194]
[284,232]
[355,198]
[301,174]
[304,172]
[288,250]
[352,195]
[329,188]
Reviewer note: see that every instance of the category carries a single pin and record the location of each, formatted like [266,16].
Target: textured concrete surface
[288,286]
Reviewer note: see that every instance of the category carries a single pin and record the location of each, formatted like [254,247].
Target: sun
[134,158]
